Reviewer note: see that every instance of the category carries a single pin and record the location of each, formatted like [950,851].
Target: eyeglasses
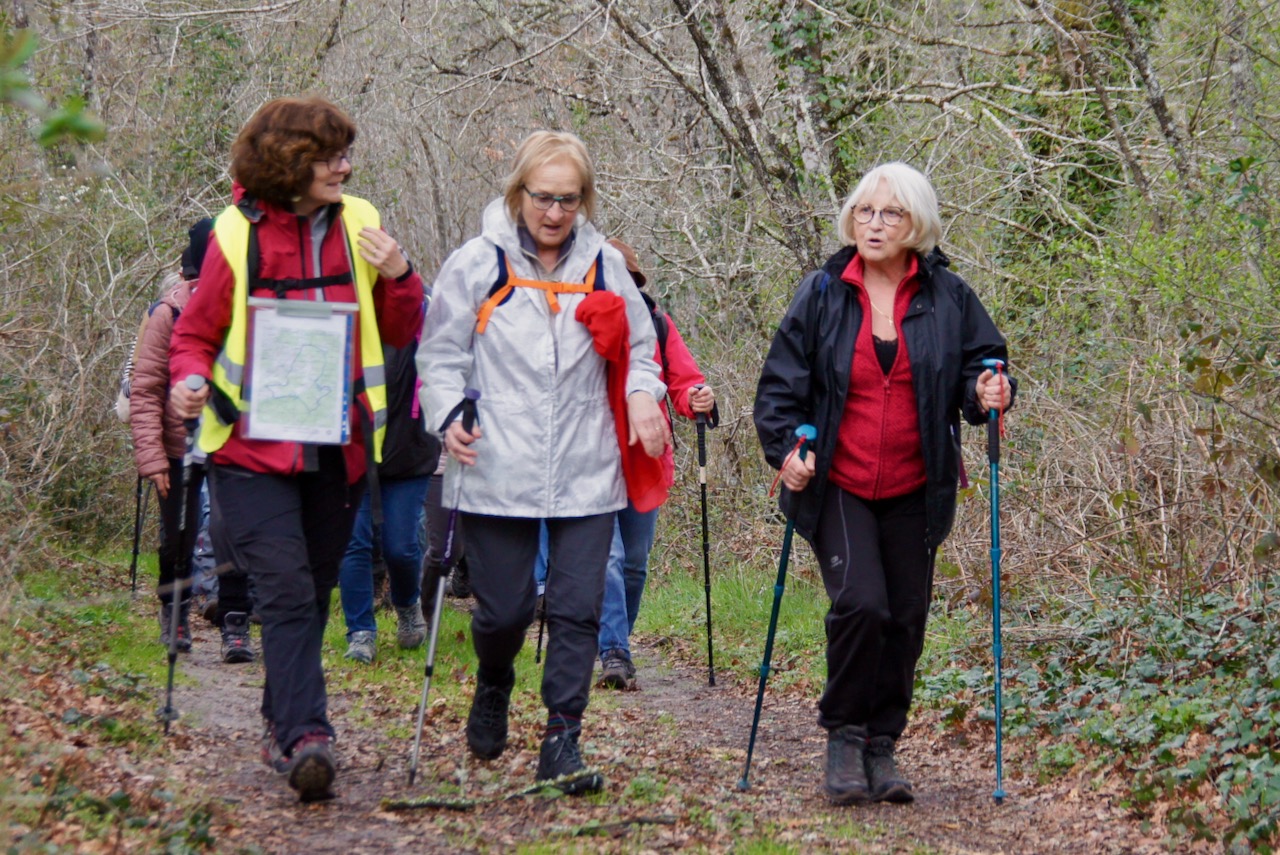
[335,163]
[889,216]
[543,201]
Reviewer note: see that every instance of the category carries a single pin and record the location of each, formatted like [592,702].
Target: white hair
[913,192]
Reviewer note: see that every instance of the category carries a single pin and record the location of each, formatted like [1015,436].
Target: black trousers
[176,547]
[878,573]
[233,580]
[290,533]
[500,556]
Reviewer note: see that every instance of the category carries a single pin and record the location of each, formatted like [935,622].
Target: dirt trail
[672,754]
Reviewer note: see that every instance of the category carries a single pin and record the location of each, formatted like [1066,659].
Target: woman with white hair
[541,317]
[881,349]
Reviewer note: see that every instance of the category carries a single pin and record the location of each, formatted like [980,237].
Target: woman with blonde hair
[541,317]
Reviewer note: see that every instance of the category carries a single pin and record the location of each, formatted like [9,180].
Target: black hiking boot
[616,671]
[560,761]
[184,625]
[310,767]
[236,647]
[886,782]
[487,722]
[846,781]
[460,581]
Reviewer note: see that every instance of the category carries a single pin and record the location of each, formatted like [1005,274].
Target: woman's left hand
[381,250]
[993,391]
[647,424]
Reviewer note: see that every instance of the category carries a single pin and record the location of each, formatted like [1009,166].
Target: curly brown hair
[272,156]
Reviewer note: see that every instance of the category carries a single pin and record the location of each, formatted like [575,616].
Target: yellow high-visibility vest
[232,230]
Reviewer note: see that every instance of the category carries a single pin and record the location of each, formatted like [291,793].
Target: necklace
[881,312]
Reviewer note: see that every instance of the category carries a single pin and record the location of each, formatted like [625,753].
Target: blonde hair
[541,148]
[912,190]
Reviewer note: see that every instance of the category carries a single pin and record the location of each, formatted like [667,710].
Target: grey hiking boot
[616,671]
[236,647]
[310,767]
[560,761]
[886,782]
[846,781]
[487,722]
[411,629]
[362,646]
[184,625]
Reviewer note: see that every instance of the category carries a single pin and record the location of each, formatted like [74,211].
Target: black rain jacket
[805,379]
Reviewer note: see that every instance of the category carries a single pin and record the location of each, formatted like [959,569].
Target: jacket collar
[928,265]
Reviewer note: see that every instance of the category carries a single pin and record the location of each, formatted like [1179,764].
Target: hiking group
[515,412]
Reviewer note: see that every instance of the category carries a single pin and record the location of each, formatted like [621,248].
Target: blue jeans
[625,577]
[402,504]
[540,562]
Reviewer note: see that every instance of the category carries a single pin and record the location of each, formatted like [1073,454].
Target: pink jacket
[158,434]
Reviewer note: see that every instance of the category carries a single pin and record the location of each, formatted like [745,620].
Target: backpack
[126,374]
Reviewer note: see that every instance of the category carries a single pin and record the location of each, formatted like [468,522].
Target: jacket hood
[498,228]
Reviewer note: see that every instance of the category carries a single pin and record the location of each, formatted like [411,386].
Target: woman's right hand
[186,403]
[796,472]
[458,443]
[161,480]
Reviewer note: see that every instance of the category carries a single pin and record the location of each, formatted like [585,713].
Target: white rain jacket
[549,446]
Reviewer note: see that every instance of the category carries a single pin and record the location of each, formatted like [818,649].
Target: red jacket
[285,246]
[878,454]
[680,373]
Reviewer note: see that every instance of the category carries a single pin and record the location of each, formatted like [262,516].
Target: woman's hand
[458,443]
[796,473]
[647,424]
[701,399]
[381,250]
[161,480]
[186,403]
[993,391]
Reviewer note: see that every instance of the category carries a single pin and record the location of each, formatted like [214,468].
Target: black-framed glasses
[335,162]
[889,216]
[543,201]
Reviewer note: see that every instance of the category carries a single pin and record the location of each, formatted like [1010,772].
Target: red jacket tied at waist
[605,317]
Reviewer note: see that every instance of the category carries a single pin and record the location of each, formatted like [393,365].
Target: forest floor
[672,753]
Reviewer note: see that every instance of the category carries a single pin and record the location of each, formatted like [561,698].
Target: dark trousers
[500,556]
[176,547]
[290,533]
[878,573]
[233,579]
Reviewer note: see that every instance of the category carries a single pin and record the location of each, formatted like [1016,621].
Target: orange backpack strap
[508,282]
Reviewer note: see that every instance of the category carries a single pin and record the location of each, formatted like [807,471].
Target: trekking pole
[468,408]
[706,540]
[805,434]
[167,713]
[993,457]
[142,494]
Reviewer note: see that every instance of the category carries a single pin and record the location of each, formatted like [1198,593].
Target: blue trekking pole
[469,416]
[805,434]
[993,457]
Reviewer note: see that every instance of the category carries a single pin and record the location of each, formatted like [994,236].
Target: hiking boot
[886,782]
[616,672]
[487,722]
[272,753]
[184,626]
[411,629]
[560,761]
[209,609]
[235,639]
[362,646]
[310,768]
[846,781]
[460,581]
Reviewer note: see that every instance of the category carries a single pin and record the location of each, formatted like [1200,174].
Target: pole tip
[744,785]
[412,774]
[998,795]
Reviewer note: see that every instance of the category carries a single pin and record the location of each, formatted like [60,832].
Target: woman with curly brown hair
[295,245]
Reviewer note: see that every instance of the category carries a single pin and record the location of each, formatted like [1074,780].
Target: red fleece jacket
[605,316]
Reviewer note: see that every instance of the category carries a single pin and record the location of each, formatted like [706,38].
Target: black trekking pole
[805,434]
[706,540]
[142,494]
[167,713]
[993,457]
[469,417]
